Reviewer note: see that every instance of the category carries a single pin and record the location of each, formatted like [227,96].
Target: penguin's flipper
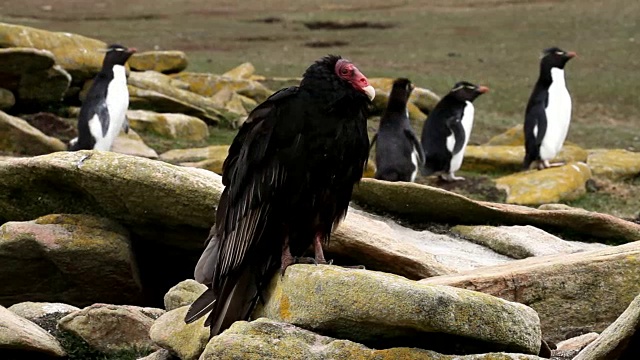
[416,144]
[455,125]
[373,140]
[103,117]
[125,125]
[535,127]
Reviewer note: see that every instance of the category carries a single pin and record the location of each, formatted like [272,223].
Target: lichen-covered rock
[514,136]
[34,310]
[210,158]
[173,126]
[384,309]
[77,259]
[186,340]
[614,164]
[509,158]
[417,202]
[110,328]
[22,339]
[166,62]
[209,84]
[161,354]
[620,340]
[7,99]
[520,242]
[17,136]
[585,290]
[175,203]
[577,343]
[184,293]
[43,87]
[550,185]
[132,144]
[267,339]
[78,55]
[242,71]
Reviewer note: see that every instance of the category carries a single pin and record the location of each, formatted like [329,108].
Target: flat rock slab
[570,292]
[132,144]
[25,339]
[173,126]
[161,61]
[17,136]
[35,310]
[267,339]
[423,203]
[385,310]
[614,164]
[186,340]
[509,158]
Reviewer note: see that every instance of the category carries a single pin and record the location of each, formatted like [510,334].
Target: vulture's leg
[286,258]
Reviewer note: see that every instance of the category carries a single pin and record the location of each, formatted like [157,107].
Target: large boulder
[387,310]
[570,292]
[77,259]
[268,339]
[552,185]
[210,84]
[131,143]
[110,328]
[43,87]
[17,136]
[78,55]
[186,340]
[614,164]
[429,204]
[166,62]
[36,310]
[172,126]
[509,158]
[620,340]
[22,339]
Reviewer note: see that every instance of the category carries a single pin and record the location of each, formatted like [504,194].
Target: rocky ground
[95,247]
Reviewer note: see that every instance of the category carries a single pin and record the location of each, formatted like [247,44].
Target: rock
[514,136]
[24,60]
[34,310]
[209,84]
[509,158]
[171,204]
[267,339]
[132,144]
[184,293]
[550,185]
[161,354]
[110,328]
[620,340]
[210,158]
[242,71]
[185,340]
[7,99]
[44,87]
[230,100]
[389,310]
[166,62]
[586,290]
[417,202]
[17,136]
[173,126]
[52,125]
[23,339]
[520,242]
[78,55]
[614,164]
[59,250]
[578,342]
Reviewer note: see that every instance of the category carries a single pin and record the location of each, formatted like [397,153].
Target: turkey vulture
[288,178]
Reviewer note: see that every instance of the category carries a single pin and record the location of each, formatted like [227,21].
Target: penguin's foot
[451,177]
[555,164]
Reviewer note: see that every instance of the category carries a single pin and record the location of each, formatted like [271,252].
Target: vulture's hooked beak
[370,91]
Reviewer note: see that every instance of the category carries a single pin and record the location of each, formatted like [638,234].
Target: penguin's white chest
[467,125]
[558,112]
[117,103]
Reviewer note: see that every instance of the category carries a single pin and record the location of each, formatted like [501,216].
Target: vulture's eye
[344,71]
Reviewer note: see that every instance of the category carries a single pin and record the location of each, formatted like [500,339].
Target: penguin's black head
[402,88]
[117,55]
[555,57]
[466,91]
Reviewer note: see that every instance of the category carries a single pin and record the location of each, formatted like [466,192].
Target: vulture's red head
[349,72]
[338,73]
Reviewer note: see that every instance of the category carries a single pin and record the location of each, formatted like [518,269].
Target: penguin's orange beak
[132,50]
[483,89]
[571,54]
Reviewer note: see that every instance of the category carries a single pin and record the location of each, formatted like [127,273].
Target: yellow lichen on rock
[614,164]
[160,61]
[510,158]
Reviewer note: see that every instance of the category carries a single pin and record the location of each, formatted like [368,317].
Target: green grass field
[435,43]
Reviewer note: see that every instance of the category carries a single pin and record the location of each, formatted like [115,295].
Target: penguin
[445,133]
[103,113]
[548,112]
[399,154]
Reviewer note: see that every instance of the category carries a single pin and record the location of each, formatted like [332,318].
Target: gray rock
[17,136]
[184,293]
[34,310]
[577,343]
[76,259]
[7,99]
[22,337]
[132,144]
[43,87]
[620,340]
[268,339]
[161,354]
[110,328]
[25,60]
[387,310]
[186,340]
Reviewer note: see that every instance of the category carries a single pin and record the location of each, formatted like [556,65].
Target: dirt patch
[51,125]
[346,25]
[267,20]
[326,44]
[475,187]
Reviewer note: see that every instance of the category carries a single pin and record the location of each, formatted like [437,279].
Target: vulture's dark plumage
[288,178]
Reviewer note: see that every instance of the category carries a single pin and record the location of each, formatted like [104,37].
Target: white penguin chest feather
[117,102]
[558,112]
[467,125]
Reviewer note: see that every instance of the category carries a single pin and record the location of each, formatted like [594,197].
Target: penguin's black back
[394,148]
[435,133]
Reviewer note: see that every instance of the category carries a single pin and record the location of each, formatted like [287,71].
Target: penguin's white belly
[558,114]
[414,161]
[467,125]
[117,102]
